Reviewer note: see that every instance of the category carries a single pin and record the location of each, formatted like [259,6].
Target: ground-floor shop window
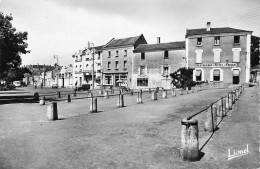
[124,79]
[216,75]
[142,81]
[108,79]
[198,75]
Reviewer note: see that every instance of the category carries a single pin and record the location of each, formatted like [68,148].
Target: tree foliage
[255,54]
[183,78]
[12,45]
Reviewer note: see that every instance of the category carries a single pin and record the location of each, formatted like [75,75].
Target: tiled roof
[203,31]
[122,42]
[160,47]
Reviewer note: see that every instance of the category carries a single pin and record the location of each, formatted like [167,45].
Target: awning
[198,72]
[216,73]
[235,72]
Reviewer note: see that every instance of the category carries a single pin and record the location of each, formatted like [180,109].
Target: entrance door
[235,76]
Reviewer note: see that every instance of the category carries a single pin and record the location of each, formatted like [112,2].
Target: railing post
[93,105]
[230,100]
[164,94]
[69,100]
[139,97]
[132,92]
[120,101]
[42,100]
[106,95]
[52,111]
[58,94]
[154,95]
[211,121]
[189,140]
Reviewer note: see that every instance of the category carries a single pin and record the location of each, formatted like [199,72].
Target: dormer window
[143,56]
[217,40]
[199,41]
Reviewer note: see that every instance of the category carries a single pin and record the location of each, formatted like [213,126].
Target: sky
[63,27]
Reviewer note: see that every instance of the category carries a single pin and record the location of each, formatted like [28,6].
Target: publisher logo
[237,153]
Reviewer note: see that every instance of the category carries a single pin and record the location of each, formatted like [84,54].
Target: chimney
[208,26]
[158,40]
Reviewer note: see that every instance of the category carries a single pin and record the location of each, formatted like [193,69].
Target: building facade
[65,77]
[83,67]
[117,61]
[219,54]
[153,63]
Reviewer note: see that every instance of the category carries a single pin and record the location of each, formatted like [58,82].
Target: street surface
[136,136]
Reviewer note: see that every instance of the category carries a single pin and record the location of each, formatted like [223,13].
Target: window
[142,81]
[108,79]
[142,56]
[236,39]
[116,65]
[125,67]
[87,59]
[116,53]
[198,75]
[216,75]
[199,41]
[124,79]
[236,54]
[166,56]
[217,40]
[109,54]
[108,65]
[79,65]
[199,56]
[165,70]
[217,55]
[125,52]
[86,65]
[142,70]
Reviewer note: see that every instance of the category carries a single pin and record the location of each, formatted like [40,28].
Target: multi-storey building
[153,63]
[83,66]
[219,54]
[117,61]
[65,77]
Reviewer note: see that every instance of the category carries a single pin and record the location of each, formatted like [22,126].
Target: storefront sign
[217,65]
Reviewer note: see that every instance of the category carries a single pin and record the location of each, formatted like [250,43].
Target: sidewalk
[239,129]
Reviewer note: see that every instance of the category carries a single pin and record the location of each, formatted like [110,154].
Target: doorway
[235,76]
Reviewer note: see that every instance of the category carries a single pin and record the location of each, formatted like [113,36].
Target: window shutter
[211,75]
[221,75]
[145,70]
[236,55]
[202,75]
[139,70]
[217,56]
[161,69]
[194,75]
[198,56]
[169,70]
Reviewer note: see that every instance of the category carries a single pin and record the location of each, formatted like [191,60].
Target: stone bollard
[52,111]
[154,95]
[164,94]
[224,107]
[139,97]
[120,101]
[58,94]
[233,97]
[189,140]
[219,108]
[69,100]
[132,92]
[93,105]
[42,100]
[227,104]
[150,91]
[36,96]
[106,95]
[100,91]
[75,93]
[173,93]
[211,121]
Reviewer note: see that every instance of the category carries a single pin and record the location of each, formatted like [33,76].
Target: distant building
[117,61]
[219,54]
[153,63]
[83,66]
[65,77]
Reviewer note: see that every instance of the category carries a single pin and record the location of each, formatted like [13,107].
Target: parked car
[54,86]
[84,87]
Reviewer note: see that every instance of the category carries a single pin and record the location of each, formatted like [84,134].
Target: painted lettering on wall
[217,65]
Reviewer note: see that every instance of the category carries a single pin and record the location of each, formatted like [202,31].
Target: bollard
[224,107]
[132,92]
[100,91]
[69,100]
[190,140]
[120,101]
[150,90]
[139,97]
[219,108]
[93,105]
[75,93]
[154,95]
[36,96]
[42,100]
[233,97]
[106,95]
[230,101]
[112,90]
[164,94]
[173,93]
[90,95]
[227,104]
[58,94]
[211,121]
[52,111]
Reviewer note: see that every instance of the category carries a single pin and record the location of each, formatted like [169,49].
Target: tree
[12,45]
[255,51]
[182,78]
